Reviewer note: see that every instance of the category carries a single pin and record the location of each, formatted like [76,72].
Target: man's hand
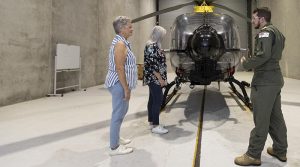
[243,59]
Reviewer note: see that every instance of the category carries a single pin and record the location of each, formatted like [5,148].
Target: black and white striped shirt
[130,65]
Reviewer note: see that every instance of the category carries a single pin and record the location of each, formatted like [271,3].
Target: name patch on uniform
[263,35]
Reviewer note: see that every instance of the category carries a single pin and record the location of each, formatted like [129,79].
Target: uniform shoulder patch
[263,34]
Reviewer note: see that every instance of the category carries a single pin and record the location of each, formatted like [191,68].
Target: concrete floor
[72,131]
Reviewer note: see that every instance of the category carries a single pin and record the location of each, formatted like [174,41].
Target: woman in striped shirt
[120,80]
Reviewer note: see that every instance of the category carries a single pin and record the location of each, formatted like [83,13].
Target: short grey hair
[157,35]
[120,22]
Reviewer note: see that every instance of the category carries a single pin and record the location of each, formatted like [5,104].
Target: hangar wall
[30,29]
[285,16]
[25,42]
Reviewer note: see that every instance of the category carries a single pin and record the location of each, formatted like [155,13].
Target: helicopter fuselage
[202,45]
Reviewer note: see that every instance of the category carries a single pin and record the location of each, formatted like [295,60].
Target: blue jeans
[154,103]
[120,108]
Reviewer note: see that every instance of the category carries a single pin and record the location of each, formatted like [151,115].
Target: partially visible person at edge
[120,80]
[155,76]
[266,86]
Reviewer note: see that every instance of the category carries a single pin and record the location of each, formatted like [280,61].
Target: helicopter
[205,48]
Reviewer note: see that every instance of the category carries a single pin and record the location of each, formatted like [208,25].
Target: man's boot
[246,160]
[274,154]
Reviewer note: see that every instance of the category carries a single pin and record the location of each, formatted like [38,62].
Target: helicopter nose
[205,42]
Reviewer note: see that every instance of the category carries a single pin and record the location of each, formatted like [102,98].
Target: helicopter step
[167,97]
[244,96]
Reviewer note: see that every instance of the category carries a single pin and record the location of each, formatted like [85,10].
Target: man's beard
[257,26]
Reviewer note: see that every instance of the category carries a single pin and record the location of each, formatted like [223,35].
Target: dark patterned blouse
[154,60]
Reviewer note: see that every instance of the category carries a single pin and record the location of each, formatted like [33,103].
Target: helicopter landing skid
[244,97]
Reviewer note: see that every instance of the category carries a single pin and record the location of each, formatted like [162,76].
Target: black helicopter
[205,48]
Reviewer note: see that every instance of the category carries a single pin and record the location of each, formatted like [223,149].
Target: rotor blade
[162,11]
[232,11]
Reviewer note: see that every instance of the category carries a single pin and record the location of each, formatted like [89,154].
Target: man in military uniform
[266,86]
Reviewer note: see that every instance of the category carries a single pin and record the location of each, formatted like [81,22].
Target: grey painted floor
[72,131]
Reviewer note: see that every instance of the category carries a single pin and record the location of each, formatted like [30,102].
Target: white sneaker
[159,129]
[150,127]
[124,141]
[120,150]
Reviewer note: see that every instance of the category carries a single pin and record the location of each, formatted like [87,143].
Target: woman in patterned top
[155,76]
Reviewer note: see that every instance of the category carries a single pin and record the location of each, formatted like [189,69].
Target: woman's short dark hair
[263,12]
[120,22]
